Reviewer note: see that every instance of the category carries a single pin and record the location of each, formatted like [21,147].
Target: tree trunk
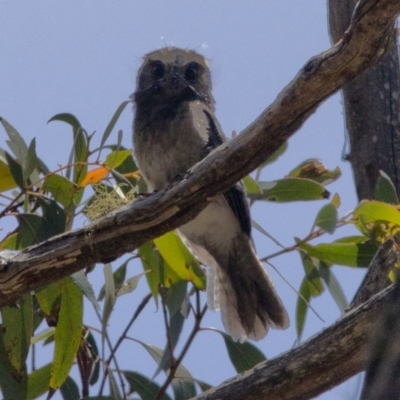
[372,110]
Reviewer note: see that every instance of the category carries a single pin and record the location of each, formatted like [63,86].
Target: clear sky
[82,56]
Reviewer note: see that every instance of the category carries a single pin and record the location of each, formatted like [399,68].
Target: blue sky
[82,56]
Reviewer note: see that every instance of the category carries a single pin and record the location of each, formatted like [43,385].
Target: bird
[174,128]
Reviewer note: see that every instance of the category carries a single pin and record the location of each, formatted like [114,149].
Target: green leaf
[10,242]
[175,296]
[10,387]
[81,154]
[61,188]
[157,269]
[69,389]
[81,281]
[70,119]
[333,286]
[109,298]
[32,229]
[80,149]
[127,168]
[376,211]
[348,254]
[243,356]
[129,285]
[157,355]
[327,218]
[38,382]
[145,388]
[302,306]
[311,269]
[114,389]
[116,158]
[16,143]
[152,264]
[68,332]
[17,324]
[251,185]
[180,259]
[255,225]
[291,189]
[352,239]
[385,190]
[119,276]
[183,389]
[31,160]
[203,385]
[276,155]
[176,322]
[45,334]
[112,122]
[49,299]
[7,181]
[91,343]
[53,215]
[314,170]
[16,170]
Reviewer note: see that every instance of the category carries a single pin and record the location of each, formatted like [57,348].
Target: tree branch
[362,46]
[317,365]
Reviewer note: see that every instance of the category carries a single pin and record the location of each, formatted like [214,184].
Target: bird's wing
[235,195]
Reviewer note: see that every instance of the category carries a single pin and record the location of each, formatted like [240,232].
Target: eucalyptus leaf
[243,356]
[67,336]
[327,218]
[348,254]
[333,286]
[385,190]
[112,122]
[302,306]
[291,189]
[142,385]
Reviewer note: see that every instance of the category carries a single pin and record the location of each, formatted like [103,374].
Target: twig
[167,327]
[198,315]
[139,309]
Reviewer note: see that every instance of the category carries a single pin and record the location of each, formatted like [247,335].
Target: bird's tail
[245,294]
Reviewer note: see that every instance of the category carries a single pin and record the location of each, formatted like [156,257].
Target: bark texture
[317,365]
[372,109]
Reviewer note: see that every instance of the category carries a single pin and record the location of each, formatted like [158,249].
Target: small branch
[198,315]
[107,338]
[139,309]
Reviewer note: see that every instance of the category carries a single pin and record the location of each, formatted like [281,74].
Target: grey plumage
[174,128]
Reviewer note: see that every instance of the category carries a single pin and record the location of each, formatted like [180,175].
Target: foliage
[46,203]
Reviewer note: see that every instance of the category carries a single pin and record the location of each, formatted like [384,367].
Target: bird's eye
[192,71]
[158,70]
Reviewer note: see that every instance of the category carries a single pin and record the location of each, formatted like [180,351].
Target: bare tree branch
[362,46]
